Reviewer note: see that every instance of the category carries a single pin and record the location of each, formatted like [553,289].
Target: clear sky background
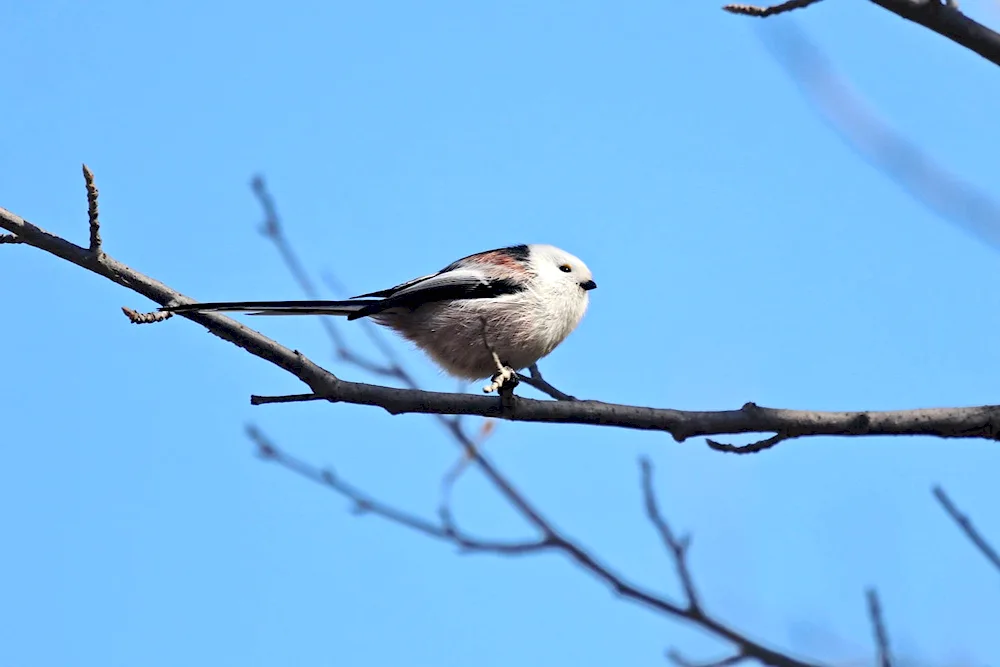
[743,252]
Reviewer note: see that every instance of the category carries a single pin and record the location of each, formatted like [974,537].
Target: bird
[486,315]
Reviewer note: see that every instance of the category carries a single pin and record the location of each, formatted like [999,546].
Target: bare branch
[374,335]
[92,216]
[947,21]
[752,448]
[965,524]
[878,626]
[550,540]
[9,239]
[677,547]
[535,379]
[363,503]
[943,18]
[274,231]
[679,660]
[771,10]
[972,422]
[135,317]
[287,398]
[966,422]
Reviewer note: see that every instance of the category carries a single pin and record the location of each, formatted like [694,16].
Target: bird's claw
[505,376]
[502,378]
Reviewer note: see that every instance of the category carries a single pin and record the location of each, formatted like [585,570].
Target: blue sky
[743,252]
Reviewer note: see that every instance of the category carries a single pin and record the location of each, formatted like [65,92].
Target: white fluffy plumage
[481,316]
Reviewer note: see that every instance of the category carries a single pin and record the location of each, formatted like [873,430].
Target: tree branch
[966,526]
[535,379]
[274,231]
[678,659]
[878,627]
[947,21]
[364,503]
[944,19]
[770,10]
[92,212]
[968,422]
[550,540]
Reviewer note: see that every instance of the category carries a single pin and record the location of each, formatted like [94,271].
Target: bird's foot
[505,377]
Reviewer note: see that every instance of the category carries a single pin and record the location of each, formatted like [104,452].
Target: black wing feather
[411,300]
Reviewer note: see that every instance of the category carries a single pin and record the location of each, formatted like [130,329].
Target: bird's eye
[565,268]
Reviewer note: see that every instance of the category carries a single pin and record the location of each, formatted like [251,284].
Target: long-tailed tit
[485,315]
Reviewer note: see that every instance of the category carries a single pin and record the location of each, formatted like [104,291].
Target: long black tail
[349,309]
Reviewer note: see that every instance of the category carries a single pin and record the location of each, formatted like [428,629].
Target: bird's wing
[457,284]
[509,260]
[393,290]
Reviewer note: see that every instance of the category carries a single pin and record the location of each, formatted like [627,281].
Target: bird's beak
[588,285]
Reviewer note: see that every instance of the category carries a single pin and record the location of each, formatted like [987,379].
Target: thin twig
[965,524]
[762,12]
[752,448]
[678,548]
[535,379]
[395,365]
[92,215]
[274,231]
[678,659]
[550,540]
[135,317]
[878,627]
[364,503]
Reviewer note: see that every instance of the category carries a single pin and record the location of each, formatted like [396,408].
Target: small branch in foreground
[878,627]
[965,524]
[771,10]
[752,448]
[92,216]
